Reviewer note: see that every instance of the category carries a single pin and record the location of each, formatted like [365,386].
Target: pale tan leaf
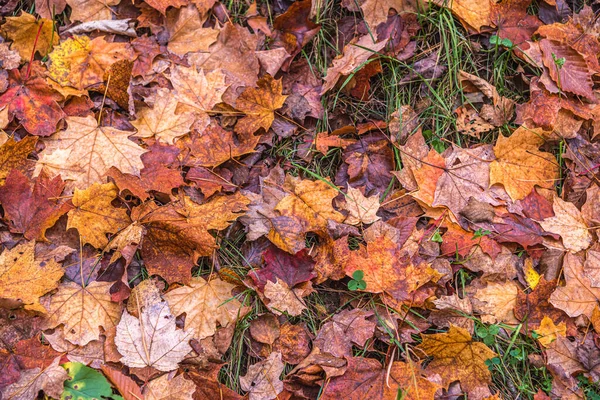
[361,209]
[262,380]
[569,224]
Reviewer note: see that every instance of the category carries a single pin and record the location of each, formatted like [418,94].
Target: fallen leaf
[187,35]
[456,357]
[164,388]
[84,152]
[91,10]
[262,379]
[548,332]
[282,298]
[49,379]
[577,297]
[13,155]
[23,279]
[569,224]
[361,209]
[218,305]
[29,34]
[259,105]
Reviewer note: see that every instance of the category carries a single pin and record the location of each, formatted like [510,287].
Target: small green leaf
[353,285]
[85,383]
[362,285]
[494,330]
[358,275]
[481,331]
[507,43]
[495,40]
[436,237]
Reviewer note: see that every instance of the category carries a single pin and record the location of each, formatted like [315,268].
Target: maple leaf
[33,103]
[82,311]
[513,21]
[80,62]
[259,105]
[94,216]
[548,332]
[186,33]
[26,32]
[177,234]
[431,169]
[496,302]
[361,209]
[349,326]
[282,298]
[32,210]
[161,121]
[215,145]
[91,354]
[569,224]
[520,166]
[218,306]
[24,279]
[152,340]
[164,388]
[91,10]
[84,152]
[262,379]
[456,357]
[473,15]
[573,76]
[376,11]
[49,379]
[365,378]
[291,268]
[577,297]
[355,55]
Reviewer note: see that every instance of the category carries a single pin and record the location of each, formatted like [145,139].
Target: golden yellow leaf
[520,166]
[309,201]
[161,121]
[473,14]
[206,304]
[569,224]
[23,30]
[532,277]
[83,310]
[81,62]
[91,10]
[548,331]
[13,155]
[23,279]
[94,216]
[456,357]
[84,152]
[259,105]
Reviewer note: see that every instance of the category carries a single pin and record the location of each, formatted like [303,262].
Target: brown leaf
[186,34]
[164,388]
[49,379]
[23,31]
[91,10]
[262,379]
[259,105]
[13,155]
[124,384]
[577,297]
[361,209]
[569,224]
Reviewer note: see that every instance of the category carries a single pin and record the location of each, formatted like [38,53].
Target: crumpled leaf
[153,340]
[206,304]
[24,279]
[456,357]
[94,216]
[32,210]
[262,380]
[84,152]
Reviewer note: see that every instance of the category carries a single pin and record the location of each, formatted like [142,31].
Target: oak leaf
[94,216]
[31,101]
[80,62]
[520,166]
[162,121]
[259,105]
[569,224]
[153,340]
[164,388]
[24,279]
[361,209]
[355,55]
[365,378]
[26,32]
[456,357]
[32,210]
[205,304]
[83,310]
[84,152]
[13,155]
[577,297]
[262,379]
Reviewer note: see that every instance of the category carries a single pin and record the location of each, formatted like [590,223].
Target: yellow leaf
[23,30]
[259,105]
[23,279]
[548,331]
[94,216]
[532,277]
[456,357]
